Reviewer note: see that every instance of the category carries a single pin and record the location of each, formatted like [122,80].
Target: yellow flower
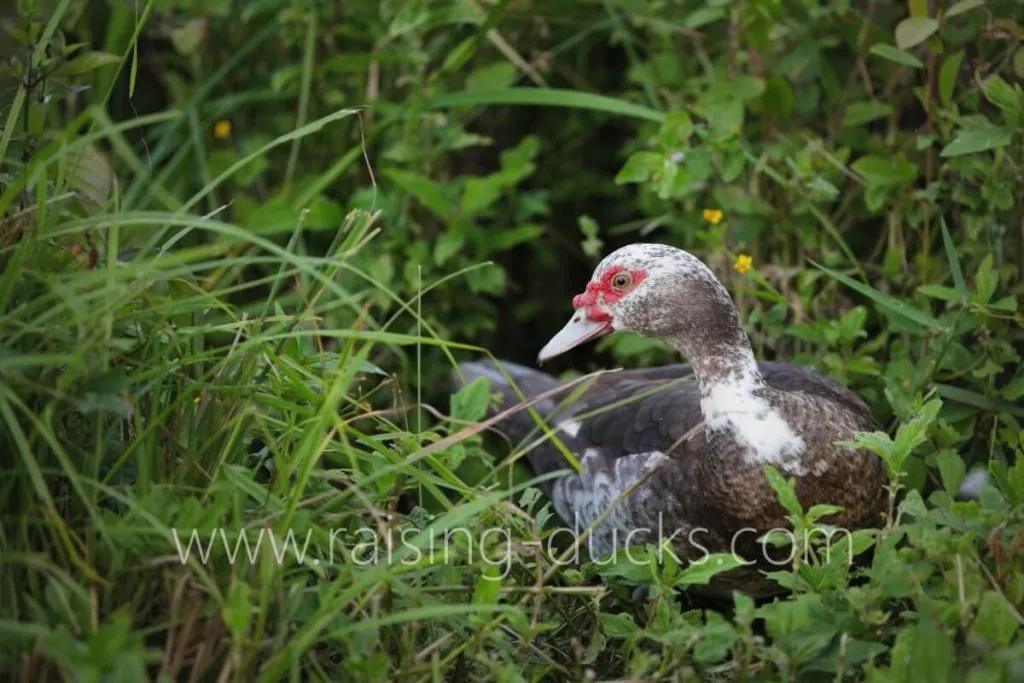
[222,129]
[743,263]
[713,216]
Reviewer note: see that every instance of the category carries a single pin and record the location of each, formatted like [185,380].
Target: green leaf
[931,654]
[470,402]
[188,37]
[859,113]
[888,302]
[703,570]
[954,261]
[785,490]
[951,469]
[977,137]
[940,292]
[428,192]
[675,130]
[639,167]
[488,586]
[86,62]
[914,31]
[618,625]
[480,193]
[778,98]
[237,611]
[947,75]
[998,92]
[447,246]
[822,510]
[986,280]
[703,17]
[894,54]
[885,171]
[996,622]
[962,7]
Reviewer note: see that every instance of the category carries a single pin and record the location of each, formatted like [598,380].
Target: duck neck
[736,403]
[725,370]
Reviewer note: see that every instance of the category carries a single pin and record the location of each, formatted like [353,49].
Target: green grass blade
[545,97]
[954,263]
[893,304]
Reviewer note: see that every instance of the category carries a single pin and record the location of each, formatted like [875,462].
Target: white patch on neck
[731,403]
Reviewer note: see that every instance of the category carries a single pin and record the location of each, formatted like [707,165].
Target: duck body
[679,452]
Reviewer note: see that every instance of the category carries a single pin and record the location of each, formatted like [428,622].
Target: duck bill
[579,330]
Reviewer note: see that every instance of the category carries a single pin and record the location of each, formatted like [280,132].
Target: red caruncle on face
[602,291]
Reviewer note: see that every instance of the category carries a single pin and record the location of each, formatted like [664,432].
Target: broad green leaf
[894,54]
[778,98]
[86,62]
[998,92]
[951,469]
[885,171]
[703,16]
[931,655]
[618,625]
[962,7]
[914,31]
[947,75]
[996,621]
[447,246]
[703,570]
[918,8]
[986,280]
[428,192]
[891,303]
[470,402]
[639,167]
[675,130]
[859,113]
[188,37]
[978,137]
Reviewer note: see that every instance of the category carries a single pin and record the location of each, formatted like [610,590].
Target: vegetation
[243,243]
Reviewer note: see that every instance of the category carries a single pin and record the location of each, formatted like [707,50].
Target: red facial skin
[602,290]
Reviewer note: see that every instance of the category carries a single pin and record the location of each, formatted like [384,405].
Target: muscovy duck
[698,434]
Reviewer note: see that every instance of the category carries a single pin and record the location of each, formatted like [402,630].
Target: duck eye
[621,281]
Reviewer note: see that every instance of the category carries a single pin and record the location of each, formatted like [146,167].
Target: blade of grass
[973,398]
[545,97]
[954,263]
[900,308]
[308,56]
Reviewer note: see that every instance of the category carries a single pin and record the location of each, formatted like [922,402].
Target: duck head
[654,290]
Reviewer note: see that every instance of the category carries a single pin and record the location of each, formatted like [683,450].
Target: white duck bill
[578,330]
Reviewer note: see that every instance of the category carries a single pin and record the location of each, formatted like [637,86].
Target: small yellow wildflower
[713,216]
[222,129]
[743,263]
